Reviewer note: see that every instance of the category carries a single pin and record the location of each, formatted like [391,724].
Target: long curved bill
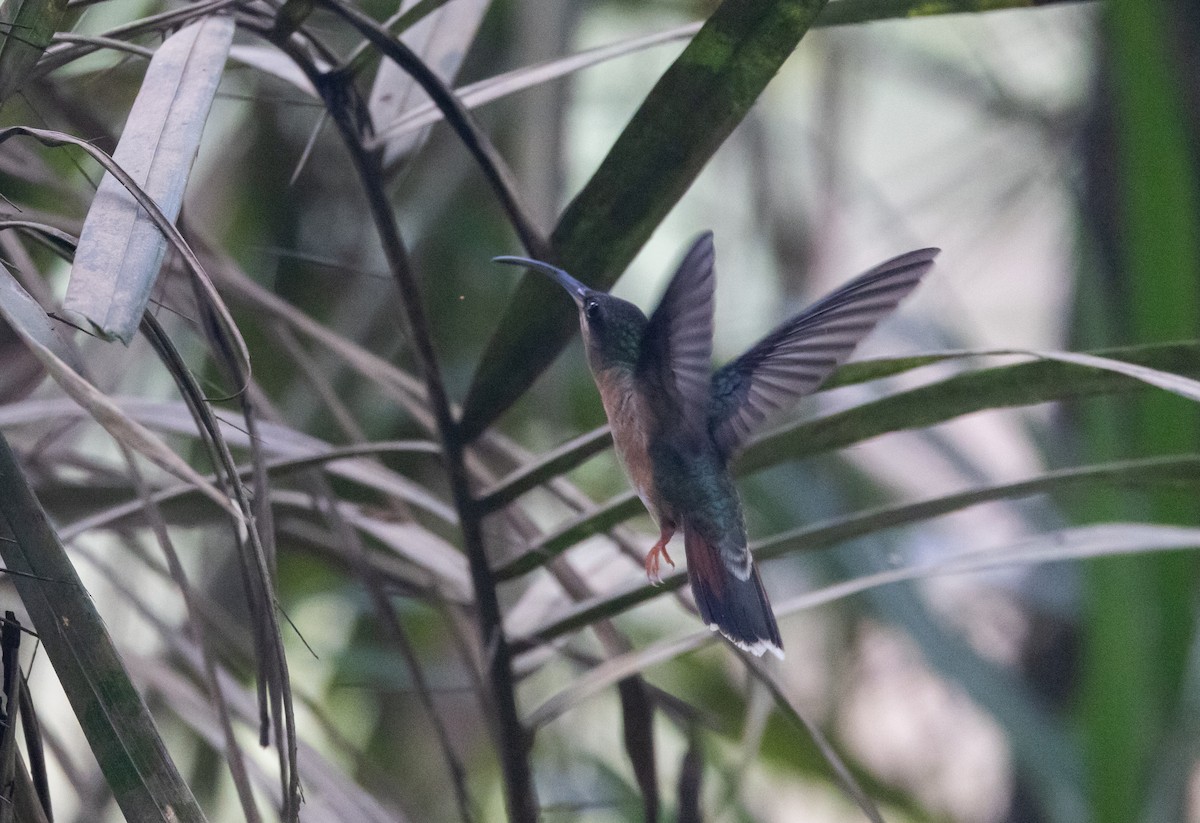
[577,290]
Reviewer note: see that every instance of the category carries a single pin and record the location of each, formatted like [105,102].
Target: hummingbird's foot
[658,553]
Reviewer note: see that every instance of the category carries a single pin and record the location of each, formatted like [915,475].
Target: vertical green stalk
[1140,611]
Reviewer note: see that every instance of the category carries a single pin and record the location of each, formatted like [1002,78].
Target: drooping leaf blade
[102,408]
[27,317]
[1021,384]
[120,248]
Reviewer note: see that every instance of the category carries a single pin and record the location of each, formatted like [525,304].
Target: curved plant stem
[274,680]
[481,148]
[66,49]
[1172,470]
[513,740]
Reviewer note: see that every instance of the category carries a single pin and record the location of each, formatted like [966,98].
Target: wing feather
[795,358]
[677,345]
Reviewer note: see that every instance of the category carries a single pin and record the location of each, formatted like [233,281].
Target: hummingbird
[676,424]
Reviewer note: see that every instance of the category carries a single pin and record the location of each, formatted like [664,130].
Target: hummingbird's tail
[737,608]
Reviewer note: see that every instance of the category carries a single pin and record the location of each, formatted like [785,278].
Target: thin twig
[324,500]
[256,574]
[60,55]
[459,119]
[762,671]
[233,752]
[514,741]
[399,637]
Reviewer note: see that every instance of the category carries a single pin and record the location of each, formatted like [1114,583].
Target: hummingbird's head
[612,327]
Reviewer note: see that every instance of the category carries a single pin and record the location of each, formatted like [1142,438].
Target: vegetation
[305,517]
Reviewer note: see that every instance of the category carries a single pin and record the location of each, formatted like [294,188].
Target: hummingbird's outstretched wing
[795,358]
[676,349]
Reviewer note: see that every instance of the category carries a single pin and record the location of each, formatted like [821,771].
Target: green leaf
[120,248]
[118,726]
[1021,384]
[24,37]
[546,468]
[1138,473]
[682,122]
[1140,617]
[1055,546]
[843,12]
[997,387]
[569,455]
[1174,383]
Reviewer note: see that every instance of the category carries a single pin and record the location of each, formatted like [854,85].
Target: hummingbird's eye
[592,309]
